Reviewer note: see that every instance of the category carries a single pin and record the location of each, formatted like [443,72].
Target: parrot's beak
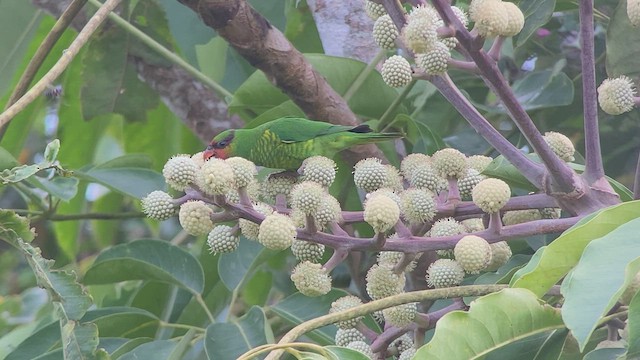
[208,154]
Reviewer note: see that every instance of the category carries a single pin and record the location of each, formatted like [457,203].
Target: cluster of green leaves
[141,296]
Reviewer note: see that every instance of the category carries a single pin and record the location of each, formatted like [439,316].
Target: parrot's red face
[218,149]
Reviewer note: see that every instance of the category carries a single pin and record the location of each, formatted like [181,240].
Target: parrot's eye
[209,147]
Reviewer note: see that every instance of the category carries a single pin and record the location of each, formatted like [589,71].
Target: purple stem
[495,223]
[433,317]
[366,331]
[464,65]
[593,168]
[338,256]
[561,174]
[281,202]
[245,200]
[310,224]
[496,48]
[395,12]
[453,197]
[385,339]
[534,172]
[402,230]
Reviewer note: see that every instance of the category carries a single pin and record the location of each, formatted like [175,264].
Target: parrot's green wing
[293,129]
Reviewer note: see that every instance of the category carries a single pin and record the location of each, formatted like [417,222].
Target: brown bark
[194,103]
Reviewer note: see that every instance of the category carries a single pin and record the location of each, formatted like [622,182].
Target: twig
[362,77]
[404,298]
[41,54]
[92,25]
[593,156]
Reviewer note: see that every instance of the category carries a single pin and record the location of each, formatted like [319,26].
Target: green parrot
[284,143]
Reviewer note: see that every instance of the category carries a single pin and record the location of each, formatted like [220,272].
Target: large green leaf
[595,284]
[124,322]
[235,267]
[80,341]
[128,174]
[157,350]
[111,80]
[20,23]
[258,95]
[41,341]
[492,322]
[623,44]
[297,308]
[14,228]
[563,254]
[61,285]
[147,260]
[128,346]
[536,14]
[633,328]
[227,341]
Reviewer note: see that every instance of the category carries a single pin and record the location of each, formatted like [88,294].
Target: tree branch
[594,170]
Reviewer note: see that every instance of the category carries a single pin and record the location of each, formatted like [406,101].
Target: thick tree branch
[594,170]
[201,109]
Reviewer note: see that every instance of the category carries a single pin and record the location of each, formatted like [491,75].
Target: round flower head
[319,169]
[250,229]
[449,163]
[307,251]
[274,185]
[215,177]
[253,190]
[551,213]
[424,12]
[418,205]
[473,225]
[386,192]
[392,258]
[633,12]
[307,196]
[373,10]
[561,145]
[328,211]
[479,162]
[361,347]
[446,227]
[180,172]
[392,180]
[401,315]
[198,159]
[345,336]
[402,344]
[243,170]
[420,34]
[369,174]
[345,303]
[396,71]
[516,19]
[616,95]
[490,195]
[411,162]
[473,253]
[383,282]
[385,32]
[425,177]
[311,279]
[436,61]
[222,239]
[444,273]
[276,232]
[381,212]
[520,216]
[467,183]
[461,15]
[407,354]
[195,218]
[500,254]
[491,18]
[158,205]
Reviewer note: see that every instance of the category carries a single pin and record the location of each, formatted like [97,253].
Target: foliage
[77,164]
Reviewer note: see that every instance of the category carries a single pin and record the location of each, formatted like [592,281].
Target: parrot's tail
[367,133]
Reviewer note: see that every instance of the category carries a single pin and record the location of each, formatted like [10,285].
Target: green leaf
[51,151]
[623,44]
[301,28]
[129,346]
[14,227]
[595,284]
[538,90]
[227,341]
[492,322]
[633,328]
[234,267]
[147,260]
[605,353]
[555,261]
[536,14]
[125,322]
[343,353]
[41,341]
[80,341]
[506,271]
[423,138]
[212,58]
[64,188]
[61,285]
[157,350]
[258,95]
[258,288]
[7,161]
[128,174]
[297,308]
